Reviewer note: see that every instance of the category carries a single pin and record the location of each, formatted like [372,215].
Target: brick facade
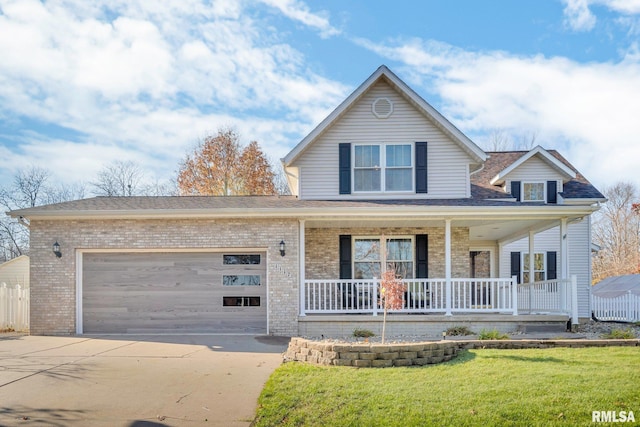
[321,252]
[53,285]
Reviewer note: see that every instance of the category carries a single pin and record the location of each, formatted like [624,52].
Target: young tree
[391,295]
[220,167]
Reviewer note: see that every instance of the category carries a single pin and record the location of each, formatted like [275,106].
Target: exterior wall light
[282,247]
[56,249]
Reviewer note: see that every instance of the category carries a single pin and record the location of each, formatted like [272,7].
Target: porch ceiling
[479,229]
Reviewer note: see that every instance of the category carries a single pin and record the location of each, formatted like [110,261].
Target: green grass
[492,334]
[557,386]
[363,333]
[620,334]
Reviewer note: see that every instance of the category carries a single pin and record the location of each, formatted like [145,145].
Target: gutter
[422,212]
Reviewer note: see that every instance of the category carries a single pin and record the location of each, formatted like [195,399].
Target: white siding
[579,257]
[447,163]
[534,169]
[15,272]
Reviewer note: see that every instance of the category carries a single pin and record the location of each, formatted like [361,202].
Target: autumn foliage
[391,294]
[219,166]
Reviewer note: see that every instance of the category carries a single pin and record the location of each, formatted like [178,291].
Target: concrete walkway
[189,380]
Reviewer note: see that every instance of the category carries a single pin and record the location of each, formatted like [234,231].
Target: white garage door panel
[168,292]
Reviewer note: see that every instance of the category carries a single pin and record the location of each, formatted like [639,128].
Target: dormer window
[533,191]
[383,168]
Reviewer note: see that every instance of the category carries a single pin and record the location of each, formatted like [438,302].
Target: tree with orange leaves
[219,166]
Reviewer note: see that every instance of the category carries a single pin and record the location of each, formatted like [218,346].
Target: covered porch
[446,283]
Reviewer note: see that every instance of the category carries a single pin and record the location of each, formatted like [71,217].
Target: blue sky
[85,83]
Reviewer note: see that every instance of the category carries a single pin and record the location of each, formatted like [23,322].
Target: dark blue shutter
[421,167]
[515,190]
[552,192]
[515,263]
[345,256]
[552,266]
[344,166]
[422,256]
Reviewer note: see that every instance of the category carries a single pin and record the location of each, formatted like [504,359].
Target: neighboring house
[15,272]
[616,286]
[385,180]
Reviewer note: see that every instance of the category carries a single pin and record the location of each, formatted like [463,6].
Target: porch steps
[537,328]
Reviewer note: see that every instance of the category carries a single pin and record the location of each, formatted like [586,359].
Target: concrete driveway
[189,380]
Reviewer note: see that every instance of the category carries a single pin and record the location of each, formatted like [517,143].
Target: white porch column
[301,251]
[564,262]
[447,265]
[564,249]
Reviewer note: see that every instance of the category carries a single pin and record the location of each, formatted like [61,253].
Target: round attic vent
[382,108]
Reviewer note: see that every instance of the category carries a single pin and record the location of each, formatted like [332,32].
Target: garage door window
[241,259]
[241,280]
[241,301]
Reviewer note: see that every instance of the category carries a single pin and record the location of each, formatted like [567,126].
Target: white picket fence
[625,308]
[14,308]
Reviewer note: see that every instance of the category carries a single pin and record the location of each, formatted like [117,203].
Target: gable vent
[382,108]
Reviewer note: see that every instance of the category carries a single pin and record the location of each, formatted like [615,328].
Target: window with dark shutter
[552,192]
[552,266]
[515,263]
[422,256]
[344,167]
[421,167]
[515,190]
[345,256]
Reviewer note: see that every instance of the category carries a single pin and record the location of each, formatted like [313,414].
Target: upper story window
[533,192]
[383,167]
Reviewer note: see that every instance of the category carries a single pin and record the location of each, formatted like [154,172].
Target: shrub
[459,331]
[363,333]
[493,334]
[620,334]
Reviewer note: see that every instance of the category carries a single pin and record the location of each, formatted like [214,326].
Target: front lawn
[559,386]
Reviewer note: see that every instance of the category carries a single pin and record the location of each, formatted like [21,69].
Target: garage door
[175,292]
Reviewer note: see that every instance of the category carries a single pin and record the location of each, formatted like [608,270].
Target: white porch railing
[14,308]
[549,296]
[421,296]
[624,308]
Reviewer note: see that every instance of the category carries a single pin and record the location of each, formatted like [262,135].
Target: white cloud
[586,111]
[577,15]
[300,12]
[146,79]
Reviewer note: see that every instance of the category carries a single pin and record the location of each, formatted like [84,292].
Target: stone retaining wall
[375,355]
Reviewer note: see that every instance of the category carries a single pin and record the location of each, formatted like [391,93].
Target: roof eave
[469,146]
[303,212]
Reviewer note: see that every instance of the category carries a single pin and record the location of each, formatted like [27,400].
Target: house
[616,286]
[384,181]
[15,272]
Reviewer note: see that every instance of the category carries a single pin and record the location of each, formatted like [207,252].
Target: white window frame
[544,191]
[383,168]
[383,250]
[525,265]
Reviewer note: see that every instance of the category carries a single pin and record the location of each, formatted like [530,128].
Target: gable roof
[544,155]
[383,73]
[576,188]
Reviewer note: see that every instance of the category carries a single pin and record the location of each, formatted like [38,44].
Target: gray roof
[576,188]
[612,287]
[483,194]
